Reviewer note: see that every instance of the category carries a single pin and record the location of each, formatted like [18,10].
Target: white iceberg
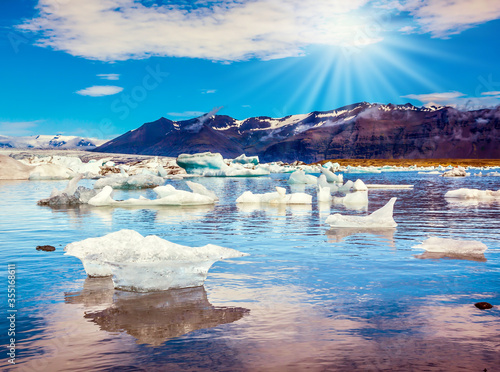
[278,197]
[167,195]
[332,177]
[324,194]
[144,264]
[347,186]
[353,200]
[202,190]
[359,186]
[455,172]
[380,218]
[452,246]
[51,172]
[138,181]
[473,194]
[12,169]
[300,177]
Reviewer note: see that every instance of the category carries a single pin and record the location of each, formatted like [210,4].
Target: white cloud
[491,93]
[99,90]
[435,97]
[457,100]
[109,76]
[18,128]
[223,30]
[208,91]
[442,18]
[186,114]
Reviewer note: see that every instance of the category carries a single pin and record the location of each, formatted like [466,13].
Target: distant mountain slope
[361,130]
[49,142]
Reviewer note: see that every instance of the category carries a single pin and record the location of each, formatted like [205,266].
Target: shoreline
[85,156]
[417,162]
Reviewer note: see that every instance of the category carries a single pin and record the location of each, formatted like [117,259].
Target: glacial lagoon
[308,297]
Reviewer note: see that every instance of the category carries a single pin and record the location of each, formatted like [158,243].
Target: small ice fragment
[473,194]
[380,218]
[324,194]
[452,246]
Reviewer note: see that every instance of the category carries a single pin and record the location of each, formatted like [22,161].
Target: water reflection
[152,318]
[452,256]
[337,235]
[162,214]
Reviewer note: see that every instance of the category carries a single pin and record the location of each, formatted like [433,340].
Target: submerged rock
[483,305]
[45,248]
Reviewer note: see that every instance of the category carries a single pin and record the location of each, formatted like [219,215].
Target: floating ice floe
[299,177]
[493,174]
[202,190]
[51,172]
[346,187]
[380,218]
[123,181]
[389,187]
[278,197]
[444,245]
[213,165]
[360,169]
[455,172]
[243,159]
[72,195]
[356,200]
[167,195]
[359,186]
[324,194]
[145,264]
[473,194]
[332,177]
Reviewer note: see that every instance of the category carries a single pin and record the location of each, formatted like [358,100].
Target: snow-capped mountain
[362,130]
[50,142]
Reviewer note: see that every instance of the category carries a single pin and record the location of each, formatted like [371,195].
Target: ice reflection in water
[152,318]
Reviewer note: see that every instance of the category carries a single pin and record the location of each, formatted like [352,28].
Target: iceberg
[138,181]
[300,177]
[12,169]
[198,163]
[473,194]
[353,200]
[145,264]
[347,186]
[444,245]
[332,177]
[324,194]
[455,172]
[167,195]
[72,195]
[202,190]
[359,186]
[243,159]
[380,218]
[51,172]
[278,197]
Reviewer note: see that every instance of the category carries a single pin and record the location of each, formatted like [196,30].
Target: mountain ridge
[361,130]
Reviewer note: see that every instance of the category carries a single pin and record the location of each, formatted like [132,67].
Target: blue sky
[100,68]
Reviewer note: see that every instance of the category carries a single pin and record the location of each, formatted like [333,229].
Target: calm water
[307,297]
